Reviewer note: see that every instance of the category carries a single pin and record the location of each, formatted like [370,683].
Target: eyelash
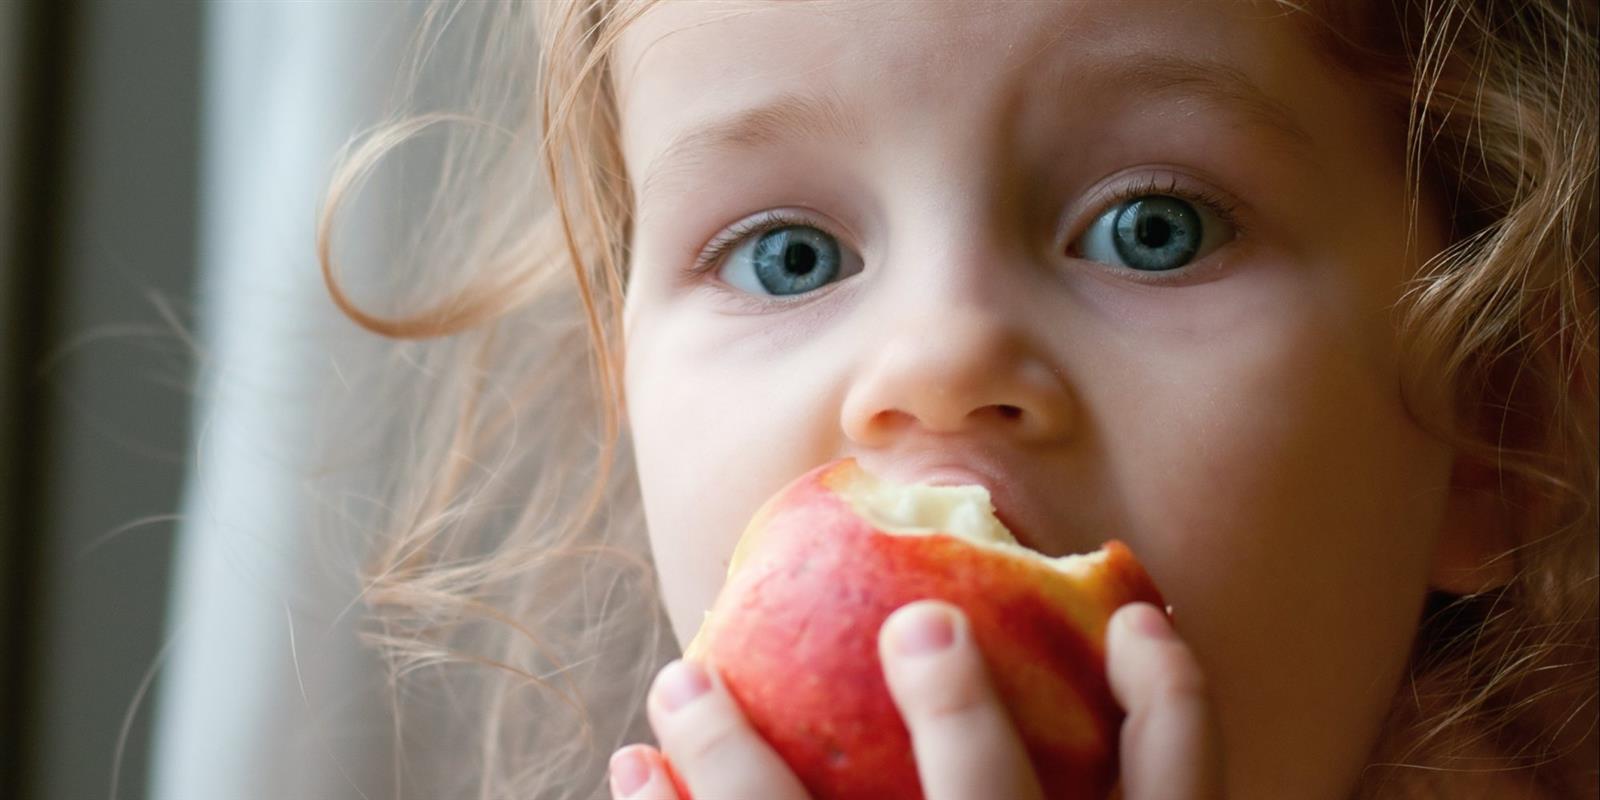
[1226,210]
[719,247]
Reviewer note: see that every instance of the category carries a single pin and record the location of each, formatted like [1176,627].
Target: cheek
[716,428]
[1287,507]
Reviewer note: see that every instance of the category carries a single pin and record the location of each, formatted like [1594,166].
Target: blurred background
[166,345]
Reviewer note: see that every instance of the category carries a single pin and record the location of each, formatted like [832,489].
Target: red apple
[794,631]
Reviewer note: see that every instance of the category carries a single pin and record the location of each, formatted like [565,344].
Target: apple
[794,631]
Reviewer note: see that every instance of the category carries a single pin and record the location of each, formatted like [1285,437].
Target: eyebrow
[788,118]
[1220,82]
[797,117]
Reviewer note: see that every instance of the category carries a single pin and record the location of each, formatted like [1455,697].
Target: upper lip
[1007,493]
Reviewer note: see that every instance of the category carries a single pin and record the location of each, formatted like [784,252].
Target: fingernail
[1148,621]
[680,682]
[922,630]
[629,771]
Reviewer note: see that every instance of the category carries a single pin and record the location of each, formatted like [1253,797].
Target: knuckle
[708,738]
[1136,727]
[960,701]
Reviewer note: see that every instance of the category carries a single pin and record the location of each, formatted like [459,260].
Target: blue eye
[1154,233]
[784,259]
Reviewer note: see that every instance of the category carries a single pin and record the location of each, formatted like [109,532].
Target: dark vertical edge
[48,41]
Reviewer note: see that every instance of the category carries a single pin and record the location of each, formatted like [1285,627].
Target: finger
[715,752]
[965,744]
[638,772]
[1171,749]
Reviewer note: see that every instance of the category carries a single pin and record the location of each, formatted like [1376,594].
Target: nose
[957,362]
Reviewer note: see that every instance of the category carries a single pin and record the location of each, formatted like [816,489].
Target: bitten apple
[793,633]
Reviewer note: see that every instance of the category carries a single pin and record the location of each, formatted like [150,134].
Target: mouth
[1021,534]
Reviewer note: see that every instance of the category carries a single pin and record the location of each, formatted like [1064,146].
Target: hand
[964,743]
[1170,744]
[714,751]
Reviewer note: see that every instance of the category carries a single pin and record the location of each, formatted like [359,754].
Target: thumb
[1170,746]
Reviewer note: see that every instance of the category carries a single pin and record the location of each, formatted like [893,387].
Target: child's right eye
[776,254]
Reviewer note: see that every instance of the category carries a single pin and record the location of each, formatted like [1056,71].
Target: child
[1296,299]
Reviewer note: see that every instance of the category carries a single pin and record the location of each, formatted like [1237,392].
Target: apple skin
[794,637]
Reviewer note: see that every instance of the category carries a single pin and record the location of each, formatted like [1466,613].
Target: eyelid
[717,250]
[1223,206]
[1170,185]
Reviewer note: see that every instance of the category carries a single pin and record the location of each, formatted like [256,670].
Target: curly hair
[508,569]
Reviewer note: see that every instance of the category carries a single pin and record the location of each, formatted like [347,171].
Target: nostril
[1010,412]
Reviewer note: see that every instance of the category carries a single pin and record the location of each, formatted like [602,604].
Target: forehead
[684,64]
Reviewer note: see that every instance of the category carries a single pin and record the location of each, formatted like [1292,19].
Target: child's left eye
[1155,233]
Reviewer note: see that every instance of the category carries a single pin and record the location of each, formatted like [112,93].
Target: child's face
[967,298]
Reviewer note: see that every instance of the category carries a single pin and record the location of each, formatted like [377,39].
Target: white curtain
[265,693]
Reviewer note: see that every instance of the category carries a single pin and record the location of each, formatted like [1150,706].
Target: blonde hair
[508,564]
